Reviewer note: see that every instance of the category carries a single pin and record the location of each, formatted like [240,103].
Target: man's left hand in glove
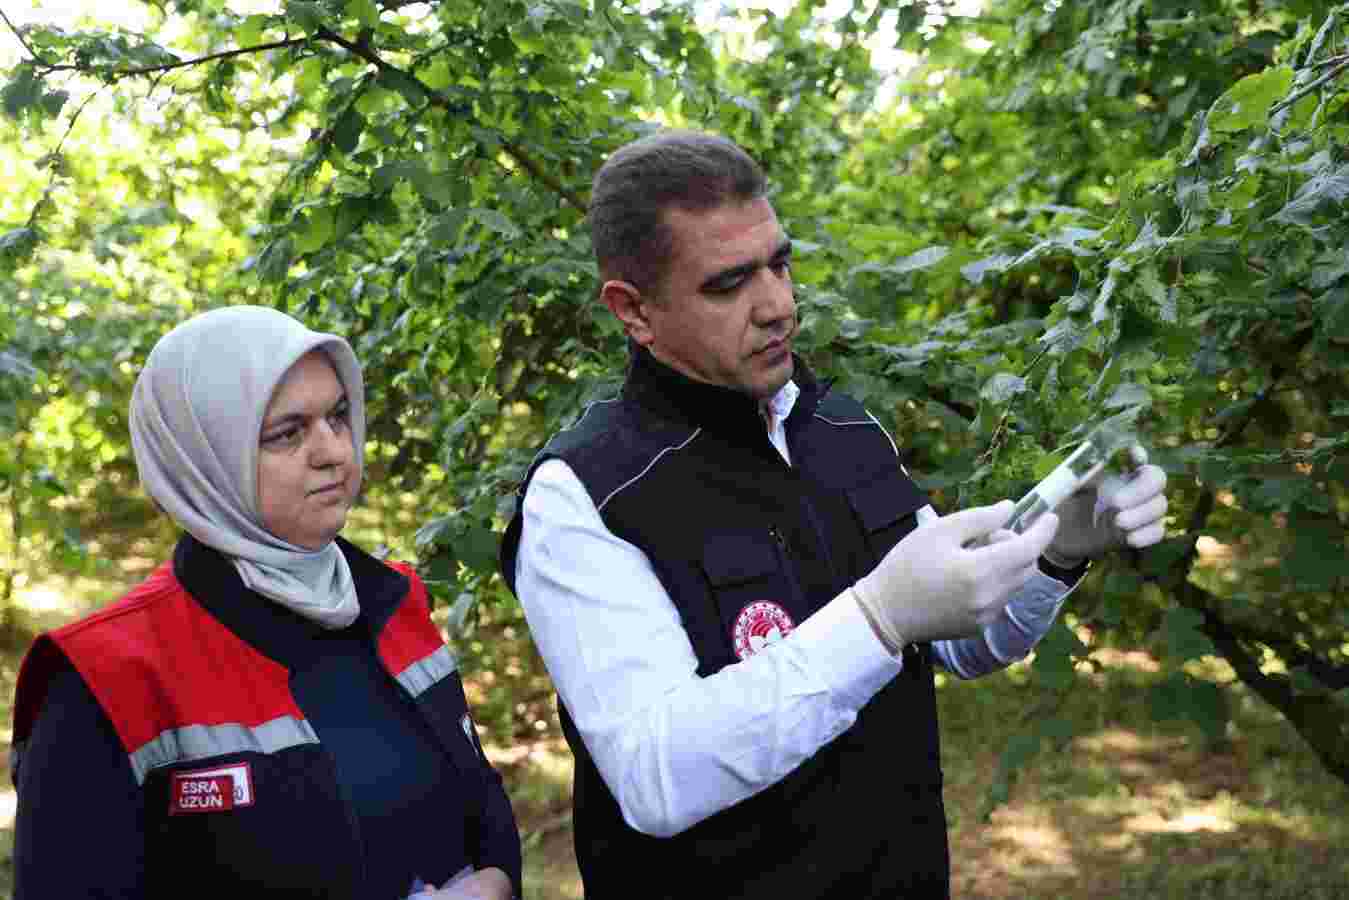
[1110,512]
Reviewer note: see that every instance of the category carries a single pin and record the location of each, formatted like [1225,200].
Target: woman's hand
[486,884]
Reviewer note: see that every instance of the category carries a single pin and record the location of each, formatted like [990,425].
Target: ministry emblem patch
[759,624]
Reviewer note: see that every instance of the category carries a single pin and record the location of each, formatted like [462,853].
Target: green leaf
[374,100]
[248,33]
[309,76]
[1182,636]
[1002,387]
[315,230]
[1328,187]
[435,187]
[274,261]
[441,566]
[16,366]
[1318,558]
[22,92]
[15,240]
[1158,559]
[1163,300]
[17,247]
[45,485]
[976,271]
[477,549]
[1330,268]
[496,221]
[306,13]
[1247,103]
[402,83]
[1021,749]
[1055,656]
[347,130]
[923,259]
[364,11]
[437,76]
[53,102]
[1333,307]
[1057,730]
[1184,698]
[1122,585]
[1128,394]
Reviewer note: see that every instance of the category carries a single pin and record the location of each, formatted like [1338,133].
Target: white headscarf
[196,419]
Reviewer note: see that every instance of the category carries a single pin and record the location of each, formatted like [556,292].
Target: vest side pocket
[886,509]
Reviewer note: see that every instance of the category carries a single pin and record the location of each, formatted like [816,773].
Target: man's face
[725,313]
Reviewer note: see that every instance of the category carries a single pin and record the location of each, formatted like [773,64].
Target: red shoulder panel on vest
[411,635]
[156,660]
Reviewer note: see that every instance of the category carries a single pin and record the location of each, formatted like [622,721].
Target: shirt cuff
[1069,577]
[845,652]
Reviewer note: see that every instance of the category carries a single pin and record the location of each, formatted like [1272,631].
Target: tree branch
[167,67]
[1307,714]
[1304,91]
[942,396]
[1331,676]
[1203,507]
[513,150]
[54,162]
[23,40]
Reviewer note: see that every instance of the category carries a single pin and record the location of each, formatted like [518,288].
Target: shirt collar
[784,401]
[676,397]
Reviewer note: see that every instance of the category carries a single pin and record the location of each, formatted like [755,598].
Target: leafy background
[1011,219]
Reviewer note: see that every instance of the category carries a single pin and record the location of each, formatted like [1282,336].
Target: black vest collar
[674,396]
[269,627]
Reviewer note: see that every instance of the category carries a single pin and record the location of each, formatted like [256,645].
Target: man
[724,573]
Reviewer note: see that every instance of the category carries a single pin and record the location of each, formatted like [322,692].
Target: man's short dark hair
[672,169]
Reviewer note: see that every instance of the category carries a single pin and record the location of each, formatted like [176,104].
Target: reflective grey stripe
[576,424]
[203,741]
[924,515]
[634,479]
[428,670]
[869,420]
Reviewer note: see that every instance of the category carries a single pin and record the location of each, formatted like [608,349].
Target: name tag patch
[211,790]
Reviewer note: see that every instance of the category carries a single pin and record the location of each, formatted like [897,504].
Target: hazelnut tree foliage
[1066,211]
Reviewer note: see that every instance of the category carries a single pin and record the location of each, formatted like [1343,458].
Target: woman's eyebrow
[295,416]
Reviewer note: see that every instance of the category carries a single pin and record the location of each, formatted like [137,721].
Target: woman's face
[307,472]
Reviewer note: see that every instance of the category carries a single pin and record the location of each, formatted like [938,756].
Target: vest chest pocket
[754,588]
[886,508]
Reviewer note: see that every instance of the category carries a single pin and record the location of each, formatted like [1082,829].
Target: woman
[272,712]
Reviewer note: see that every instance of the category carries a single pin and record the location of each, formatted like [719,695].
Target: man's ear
[629,306]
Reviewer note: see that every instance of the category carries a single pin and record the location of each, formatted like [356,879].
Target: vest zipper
[785,563]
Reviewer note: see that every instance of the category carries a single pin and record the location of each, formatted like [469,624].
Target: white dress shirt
[675,748]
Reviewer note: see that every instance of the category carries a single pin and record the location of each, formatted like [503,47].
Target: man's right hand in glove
[932,586]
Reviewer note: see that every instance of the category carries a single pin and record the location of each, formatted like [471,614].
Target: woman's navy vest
[685,472]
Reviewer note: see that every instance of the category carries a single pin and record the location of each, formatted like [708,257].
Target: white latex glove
[1110,512]
[931,586]
[485,884]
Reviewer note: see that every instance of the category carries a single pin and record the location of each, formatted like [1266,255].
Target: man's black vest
[685,472]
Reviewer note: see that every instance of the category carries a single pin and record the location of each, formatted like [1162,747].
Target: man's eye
[782,265]
[725,285]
